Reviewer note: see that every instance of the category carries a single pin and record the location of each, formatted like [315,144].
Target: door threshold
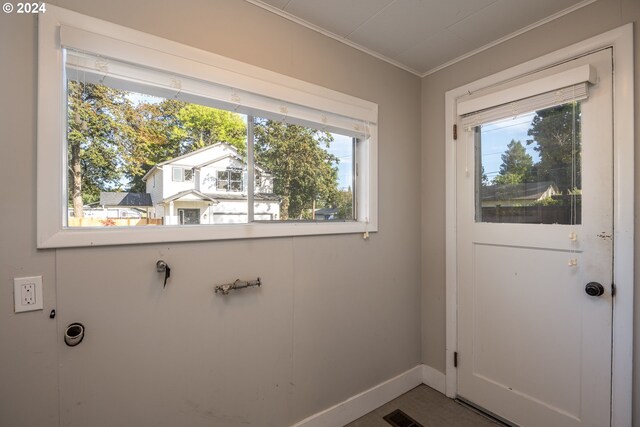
[483,412]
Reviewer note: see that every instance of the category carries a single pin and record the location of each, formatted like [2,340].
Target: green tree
[201,126]
[344,204]
[304,172]
[153,137]
[556,133]
[516,165]
[97,132]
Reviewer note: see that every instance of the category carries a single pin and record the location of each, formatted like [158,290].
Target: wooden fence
[532,214]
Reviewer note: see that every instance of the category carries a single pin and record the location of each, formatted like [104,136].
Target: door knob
[594,289]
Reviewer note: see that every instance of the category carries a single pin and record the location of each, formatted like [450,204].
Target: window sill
[106,236]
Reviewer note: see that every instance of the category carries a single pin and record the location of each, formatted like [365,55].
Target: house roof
[523,191]
[191,153]
[326,211]
[121,198]
[257,196]
[186,193]
[234,155]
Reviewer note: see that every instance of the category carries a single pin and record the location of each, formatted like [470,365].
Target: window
[223,181]
[529,167]
[279,149]
[177,174]
[528,151]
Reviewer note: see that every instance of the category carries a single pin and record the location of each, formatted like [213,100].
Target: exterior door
[189,216]
[534,228]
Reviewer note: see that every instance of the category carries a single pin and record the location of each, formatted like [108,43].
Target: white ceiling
[421,36]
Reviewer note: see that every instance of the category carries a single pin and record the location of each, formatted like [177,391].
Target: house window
[222,183]
[289,150]
[177,174]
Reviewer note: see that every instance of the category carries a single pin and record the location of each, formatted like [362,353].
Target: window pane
[121,143]
[177,174]
[302,174]
[235,180]
[223,180]
[528,168]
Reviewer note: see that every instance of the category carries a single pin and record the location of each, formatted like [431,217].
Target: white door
[534,227]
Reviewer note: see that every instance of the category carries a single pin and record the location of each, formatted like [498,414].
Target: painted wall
[591,20]
[335,316]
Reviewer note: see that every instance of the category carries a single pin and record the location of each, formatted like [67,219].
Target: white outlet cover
[18,283]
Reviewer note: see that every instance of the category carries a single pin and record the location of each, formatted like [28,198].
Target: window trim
[191,62]
[175,169]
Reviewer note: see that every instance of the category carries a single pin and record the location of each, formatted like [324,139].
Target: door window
[528,167]
[189,216]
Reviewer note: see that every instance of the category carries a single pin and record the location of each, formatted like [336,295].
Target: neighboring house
[209,186]
[125,205]
[326,214]
[525,194]
[118,205]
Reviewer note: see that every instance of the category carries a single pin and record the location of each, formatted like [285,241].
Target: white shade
[556,89]
[137,68]
[576,92]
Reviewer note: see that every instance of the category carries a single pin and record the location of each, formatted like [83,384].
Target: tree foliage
[202,126]
[556,133]
[97,138]
[303,170]
[517,165]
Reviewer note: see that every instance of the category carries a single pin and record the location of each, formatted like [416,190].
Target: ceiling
[421,36]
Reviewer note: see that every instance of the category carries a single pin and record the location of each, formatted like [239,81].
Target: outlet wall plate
[27,293]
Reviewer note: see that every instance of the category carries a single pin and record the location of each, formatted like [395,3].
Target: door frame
[621,40]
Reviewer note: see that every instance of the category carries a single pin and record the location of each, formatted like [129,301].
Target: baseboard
[365,402]
[434,379]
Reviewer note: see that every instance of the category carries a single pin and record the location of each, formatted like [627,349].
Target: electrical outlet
[27,293]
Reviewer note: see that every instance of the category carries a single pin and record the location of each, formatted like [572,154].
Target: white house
[209,186]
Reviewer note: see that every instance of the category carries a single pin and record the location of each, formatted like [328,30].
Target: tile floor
[428,407]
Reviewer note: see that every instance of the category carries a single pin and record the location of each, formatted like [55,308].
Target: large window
[159,131]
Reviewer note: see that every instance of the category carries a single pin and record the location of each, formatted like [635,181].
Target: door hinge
[455,132]
[455,359]
[613,289]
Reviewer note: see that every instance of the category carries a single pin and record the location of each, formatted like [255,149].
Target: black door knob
[594,289]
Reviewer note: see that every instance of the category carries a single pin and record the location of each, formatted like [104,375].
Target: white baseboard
[365,402]
[434,379]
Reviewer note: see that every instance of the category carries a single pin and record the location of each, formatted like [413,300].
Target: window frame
[175,169]
[223,180]
[126,44]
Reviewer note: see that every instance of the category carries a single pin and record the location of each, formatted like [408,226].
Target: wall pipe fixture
[238,284]
[163,267]
[74,334]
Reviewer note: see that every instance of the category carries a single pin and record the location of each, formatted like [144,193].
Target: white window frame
[621,40]
[126,44]
[180,171]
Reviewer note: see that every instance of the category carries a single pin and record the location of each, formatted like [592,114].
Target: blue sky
[497,135]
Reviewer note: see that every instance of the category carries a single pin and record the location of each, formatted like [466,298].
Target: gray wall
[589,21]
[336,314]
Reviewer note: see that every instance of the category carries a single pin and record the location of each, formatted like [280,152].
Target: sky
[497,135]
